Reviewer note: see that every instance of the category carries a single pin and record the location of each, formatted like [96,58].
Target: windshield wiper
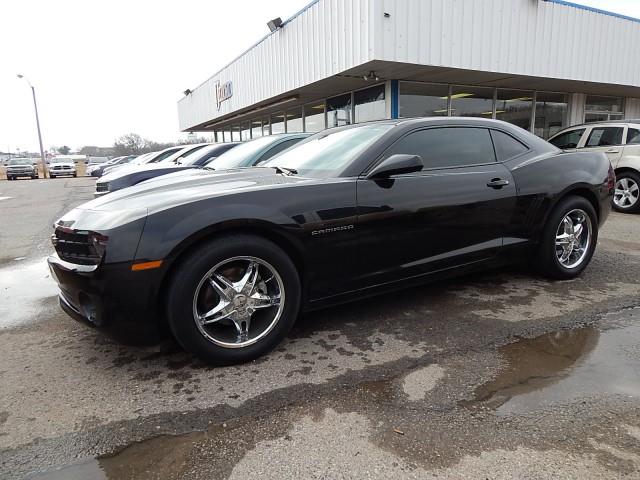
[285,170]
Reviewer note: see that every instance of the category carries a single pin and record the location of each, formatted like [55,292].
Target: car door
[455,211]
[606,139]
[631,151]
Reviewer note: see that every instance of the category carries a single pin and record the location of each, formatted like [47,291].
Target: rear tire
[223,264]
[627,194]
[560,239]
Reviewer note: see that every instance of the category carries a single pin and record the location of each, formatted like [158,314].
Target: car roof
[627,121]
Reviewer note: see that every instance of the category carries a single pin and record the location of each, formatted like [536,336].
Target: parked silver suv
[621,142]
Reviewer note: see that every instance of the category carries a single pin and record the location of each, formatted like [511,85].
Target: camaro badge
[332,229]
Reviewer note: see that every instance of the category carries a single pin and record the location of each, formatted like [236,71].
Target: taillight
[611,180]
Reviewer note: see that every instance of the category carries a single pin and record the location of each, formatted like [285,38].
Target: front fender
[166,230]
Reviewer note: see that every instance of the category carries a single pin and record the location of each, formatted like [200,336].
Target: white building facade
[542,65]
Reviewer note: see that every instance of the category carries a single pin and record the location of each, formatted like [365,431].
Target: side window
[507,147]
[569,139]
[281,147]
[166,154]
[605,136]
[447,147]
[633,136]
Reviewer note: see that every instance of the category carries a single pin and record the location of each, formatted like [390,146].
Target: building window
[235,133]
[265,127]
[551,114]
[245,133]
[423,99]
[515,106]
[314,117]
[277,122]
[472,102]
[369,104]
[599,109]
[256,128]
[294,120]
[339,111]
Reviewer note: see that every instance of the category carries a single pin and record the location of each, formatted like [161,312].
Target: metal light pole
[35,105]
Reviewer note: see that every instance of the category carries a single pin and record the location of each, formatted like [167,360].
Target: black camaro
[226,260]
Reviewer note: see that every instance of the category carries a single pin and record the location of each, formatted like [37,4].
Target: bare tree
[130,144]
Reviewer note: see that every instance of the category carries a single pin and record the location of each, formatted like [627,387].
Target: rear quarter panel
[543,181]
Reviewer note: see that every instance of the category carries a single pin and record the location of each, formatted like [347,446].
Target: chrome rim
[238,302]
[626,194]
[573,238]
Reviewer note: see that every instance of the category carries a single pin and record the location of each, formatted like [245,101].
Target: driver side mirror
[396,165]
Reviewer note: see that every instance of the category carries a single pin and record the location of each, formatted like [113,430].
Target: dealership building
[542,65]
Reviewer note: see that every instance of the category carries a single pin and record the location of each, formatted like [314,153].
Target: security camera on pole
[35,105]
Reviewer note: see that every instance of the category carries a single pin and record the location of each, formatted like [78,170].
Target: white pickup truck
[62,166]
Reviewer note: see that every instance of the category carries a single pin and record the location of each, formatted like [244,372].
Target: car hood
[191,186]
[125,170]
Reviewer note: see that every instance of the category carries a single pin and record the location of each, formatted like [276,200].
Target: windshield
[142,158]
[187,151]
[241,155]
[61,160]
[20,161]
[327,154]
[193,157]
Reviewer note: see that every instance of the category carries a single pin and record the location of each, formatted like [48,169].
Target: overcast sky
[103,69]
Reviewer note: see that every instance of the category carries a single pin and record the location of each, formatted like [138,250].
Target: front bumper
[111,298]
[70,171]
[21,173]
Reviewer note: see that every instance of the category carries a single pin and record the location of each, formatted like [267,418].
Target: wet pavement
[497,375]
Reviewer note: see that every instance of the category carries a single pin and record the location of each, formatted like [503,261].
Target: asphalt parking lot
[500,375]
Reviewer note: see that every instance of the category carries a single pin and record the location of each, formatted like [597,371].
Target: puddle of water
[564,367]
[23,287]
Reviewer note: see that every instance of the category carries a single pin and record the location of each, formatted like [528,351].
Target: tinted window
[166,154]
[447,147]
[281,147]
[633,136]
[568,139]
[507,147]
[605,136]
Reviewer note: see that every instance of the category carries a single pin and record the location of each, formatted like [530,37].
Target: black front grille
[102,187]
[75,247]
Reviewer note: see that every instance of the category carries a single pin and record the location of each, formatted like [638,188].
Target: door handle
[613,150]
[498,183]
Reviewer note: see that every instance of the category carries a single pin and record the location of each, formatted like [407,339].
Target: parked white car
[621,142]
[62,166]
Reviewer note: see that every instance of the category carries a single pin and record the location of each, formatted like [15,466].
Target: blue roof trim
[300,12]
[595,10]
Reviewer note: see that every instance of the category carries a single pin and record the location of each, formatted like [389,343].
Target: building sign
[224,91]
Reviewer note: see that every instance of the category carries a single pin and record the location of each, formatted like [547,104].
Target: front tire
[626,198]
[568,240]
[233,299]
